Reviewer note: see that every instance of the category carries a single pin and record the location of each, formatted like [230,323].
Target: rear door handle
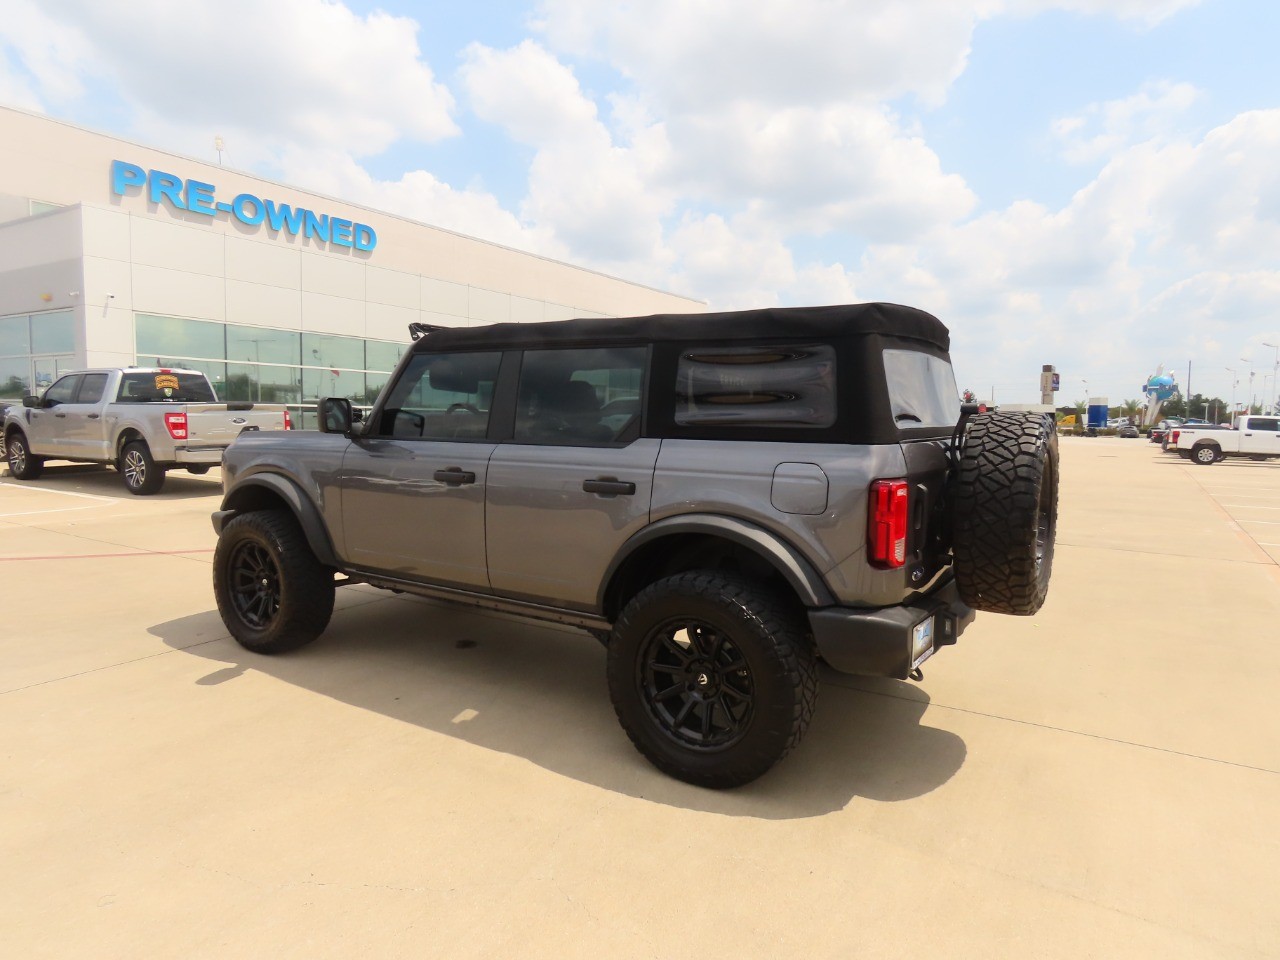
[609,487]
[61,416]
[93,416]
[454,477]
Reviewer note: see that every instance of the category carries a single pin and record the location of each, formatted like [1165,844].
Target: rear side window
[757,386]
[1254,423]
[922,389]
[91,388]
[153,386]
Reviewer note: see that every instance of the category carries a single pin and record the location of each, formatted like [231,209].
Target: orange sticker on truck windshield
[166,381]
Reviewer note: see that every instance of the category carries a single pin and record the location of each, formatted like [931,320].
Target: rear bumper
[889,641]
[211,455]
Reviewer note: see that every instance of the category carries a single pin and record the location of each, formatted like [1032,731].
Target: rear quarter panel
[735,478]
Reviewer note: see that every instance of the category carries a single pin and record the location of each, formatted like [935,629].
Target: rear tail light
[1173,436]
[176,424]
[288,421]
[887,524]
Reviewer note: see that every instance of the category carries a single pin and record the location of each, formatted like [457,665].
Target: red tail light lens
[1173,436]
[288,421]
[176,424]
[887,524]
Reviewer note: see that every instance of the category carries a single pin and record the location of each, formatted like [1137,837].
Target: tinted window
[178,337]
[579,397]
[62,390]
[922,389]
[15,336]
[262,345]
[1255,423]
[152,387]
[442,396]
[768,386]
[91,388]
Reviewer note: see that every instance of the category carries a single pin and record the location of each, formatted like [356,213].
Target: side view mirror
[336,415]
[30,401]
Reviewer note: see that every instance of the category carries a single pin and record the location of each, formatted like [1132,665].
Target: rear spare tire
[1004,500]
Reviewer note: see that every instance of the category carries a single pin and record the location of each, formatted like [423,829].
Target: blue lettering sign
[317,226]
[198,197]
[126,175]
[284,216]
[240,207]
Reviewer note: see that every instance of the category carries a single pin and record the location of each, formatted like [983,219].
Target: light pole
[1275,370]
[1250,363]
[219,144]
[1234,381]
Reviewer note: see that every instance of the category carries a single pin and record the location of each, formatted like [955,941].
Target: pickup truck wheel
[272,592]
[23,464]
[141,474]
[712,678]
[1205,455]
[1005,502]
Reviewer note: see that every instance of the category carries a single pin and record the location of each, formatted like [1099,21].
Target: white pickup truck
[1257,438]
[142,421]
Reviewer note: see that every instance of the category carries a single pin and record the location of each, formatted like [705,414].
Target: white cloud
[527,92]
[290,71]
[1101,129]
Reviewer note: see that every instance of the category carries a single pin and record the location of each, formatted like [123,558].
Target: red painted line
[103,556]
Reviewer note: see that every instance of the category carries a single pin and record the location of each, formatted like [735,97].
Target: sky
[1093,184]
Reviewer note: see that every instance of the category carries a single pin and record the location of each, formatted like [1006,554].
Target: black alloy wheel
[254,584]
[696,684]
[712,676]
[272,592]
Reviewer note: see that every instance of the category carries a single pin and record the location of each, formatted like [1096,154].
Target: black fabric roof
[818,323]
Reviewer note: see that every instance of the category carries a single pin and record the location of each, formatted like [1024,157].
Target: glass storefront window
[178,337]
[317,384]
[262,345]
[382,355]
[15,378]
[53,332]
[374,381]
[322,350]
[263,384]
[15,336]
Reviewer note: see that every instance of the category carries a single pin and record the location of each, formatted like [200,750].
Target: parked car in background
[1170,442]
[1158,432]
[1128,431]
[143,421]
[1257,438]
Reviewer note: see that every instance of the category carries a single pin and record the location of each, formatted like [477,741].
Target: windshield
[922,389]
[163,386]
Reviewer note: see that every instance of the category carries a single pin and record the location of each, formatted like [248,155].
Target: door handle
[609,487]
[93,416]
[61,416]
[454,477]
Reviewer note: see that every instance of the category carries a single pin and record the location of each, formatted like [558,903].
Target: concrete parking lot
[1102,780]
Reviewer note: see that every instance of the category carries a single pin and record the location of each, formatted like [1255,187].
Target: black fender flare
[303,508]
[799,573]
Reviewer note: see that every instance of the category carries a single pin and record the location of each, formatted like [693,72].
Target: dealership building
[116,254]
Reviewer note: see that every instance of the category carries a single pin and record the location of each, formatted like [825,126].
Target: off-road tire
[745,656]
[1205,455]
[1004,502]
[142,475]
[23,464]
[272,592]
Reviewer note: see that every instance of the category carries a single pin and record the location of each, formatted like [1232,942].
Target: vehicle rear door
[413,486]
[83,432]
[1260,436]
[575,480]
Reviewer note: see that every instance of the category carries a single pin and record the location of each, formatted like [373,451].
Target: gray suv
[723,499]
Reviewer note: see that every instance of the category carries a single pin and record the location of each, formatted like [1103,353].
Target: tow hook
[917,675]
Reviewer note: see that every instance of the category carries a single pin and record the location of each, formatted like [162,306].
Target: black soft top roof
[818,323]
